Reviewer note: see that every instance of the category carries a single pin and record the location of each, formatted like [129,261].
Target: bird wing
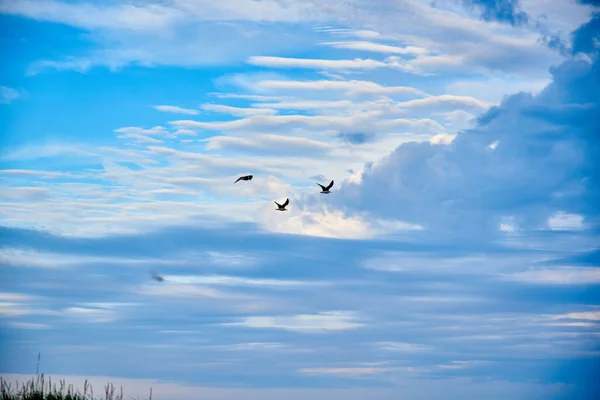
[322,187]
[250,177]
[278,205]
[238,179]
[330,185]
[287,201]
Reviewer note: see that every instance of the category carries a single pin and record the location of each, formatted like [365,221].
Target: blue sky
[456,257]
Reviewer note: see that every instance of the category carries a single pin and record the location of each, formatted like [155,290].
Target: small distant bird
[244,178]
[326,188]
[282,206]
[157,277]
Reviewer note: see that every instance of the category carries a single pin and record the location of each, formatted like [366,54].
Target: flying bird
[282,206]
[244,178]
[157,277]
[326,188]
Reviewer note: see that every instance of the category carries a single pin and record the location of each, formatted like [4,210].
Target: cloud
[322,222]
[238,111]
[466,185]
[274,144]
[23,193]
[176,110]
[500,10]
[376,47]
[157,130]
[355,121]
[357,63]
[94,315]
[586,315]
[562,221]
[355,371]
[184,290]
[28,325]
[402,347]
[7,95]
[139,138]
[330,321]
[351,87]
[157,33]
[446,100]
[236,281]
[558,276]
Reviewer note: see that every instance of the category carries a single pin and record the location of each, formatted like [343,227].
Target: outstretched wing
[330,185]
[278,205]
[250,177]
[322,187]
[239,179]
[287,201]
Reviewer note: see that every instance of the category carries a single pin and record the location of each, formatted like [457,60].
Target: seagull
[326,189]
[157,277]
[244,178]
[282,206]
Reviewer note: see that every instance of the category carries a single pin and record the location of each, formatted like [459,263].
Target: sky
[456,257]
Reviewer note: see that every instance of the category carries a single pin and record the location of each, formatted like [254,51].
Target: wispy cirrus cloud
[329,321]
[176,110]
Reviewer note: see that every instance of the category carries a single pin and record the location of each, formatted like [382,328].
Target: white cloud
[350,371]
[158,33]
[562,221]
[7,95]
[403,347]
[23,193]
[157,130]
[236,281]
[358,120]
[95,315]
[322,322]
[456,365]
[176,110]
[323,222]
[446,100]
[237,111]
[28,325]
[12,309]
[494,89]
[13,297]
[31,258]
[558,276]
[349,86]
[354,64]
[360,33]
[577,324]
[32,173]
[254,346]
[308,104]
[253,97]
[183,290]
[587,315]
[280,145]
[377,47]
[442,138]
[139,138]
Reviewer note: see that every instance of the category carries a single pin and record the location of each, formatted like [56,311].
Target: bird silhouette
[157,277]
[326,188]
[282,206]
[244,178]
